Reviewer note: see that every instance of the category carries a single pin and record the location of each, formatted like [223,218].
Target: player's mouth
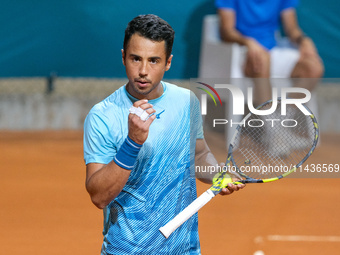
[142,83]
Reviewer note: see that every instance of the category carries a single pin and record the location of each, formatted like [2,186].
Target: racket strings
[269,146]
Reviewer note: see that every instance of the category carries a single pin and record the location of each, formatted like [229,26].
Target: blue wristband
[127,154]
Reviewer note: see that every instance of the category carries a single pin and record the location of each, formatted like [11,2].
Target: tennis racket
[263,149]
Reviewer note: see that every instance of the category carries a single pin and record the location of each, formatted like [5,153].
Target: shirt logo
[159,114]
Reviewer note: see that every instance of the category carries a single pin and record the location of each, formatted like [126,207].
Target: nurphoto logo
[239,100]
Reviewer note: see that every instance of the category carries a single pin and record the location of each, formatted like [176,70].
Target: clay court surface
[46,210]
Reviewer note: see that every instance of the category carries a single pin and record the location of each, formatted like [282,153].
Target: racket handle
[184,215]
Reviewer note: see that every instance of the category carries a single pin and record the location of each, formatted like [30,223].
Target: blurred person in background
[255,24]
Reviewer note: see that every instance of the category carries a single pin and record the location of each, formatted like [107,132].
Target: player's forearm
[106,183]
[204,160]
[206,168]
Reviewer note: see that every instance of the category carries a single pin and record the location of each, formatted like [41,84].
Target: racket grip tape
[184,215]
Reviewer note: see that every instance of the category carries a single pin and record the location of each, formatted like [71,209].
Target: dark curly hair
[151,27]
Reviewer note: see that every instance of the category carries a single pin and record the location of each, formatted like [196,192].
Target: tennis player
[140,145]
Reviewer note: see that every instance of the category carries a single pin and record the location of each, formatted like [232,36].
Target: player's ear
[168,63]
[123,57]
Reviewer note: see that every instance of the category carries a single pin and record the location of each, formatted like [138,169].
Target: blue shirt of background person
[259,19]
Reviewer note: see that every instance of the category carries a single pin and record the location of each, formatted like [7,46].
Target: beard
[145,91]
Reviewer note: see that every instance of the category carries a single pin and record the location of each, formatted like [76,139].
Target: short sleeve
[286,4]
[97,143]
[227,4]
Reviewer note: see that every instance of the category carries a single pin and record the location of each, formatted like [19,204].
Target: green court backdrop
[83,38]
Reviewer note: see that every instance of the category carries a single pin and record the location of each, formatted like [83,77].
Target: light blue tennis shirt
[259,19]
[162,182]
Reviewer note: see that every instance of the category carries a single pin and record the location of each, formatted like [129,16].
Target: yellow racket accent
[270,180]
[283,175]
[222,183]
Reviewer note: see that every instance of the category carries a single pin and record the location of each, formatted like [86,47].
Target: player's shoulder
[113,100]
[109,104]
[175,88]
[178,91]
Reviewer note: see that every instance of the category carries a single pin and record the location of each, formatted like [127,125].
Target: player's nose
[143,70]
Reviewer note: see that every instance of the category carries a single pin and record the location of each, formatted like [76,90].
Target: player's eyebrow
[137,56]
[134,55]
[155,58]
